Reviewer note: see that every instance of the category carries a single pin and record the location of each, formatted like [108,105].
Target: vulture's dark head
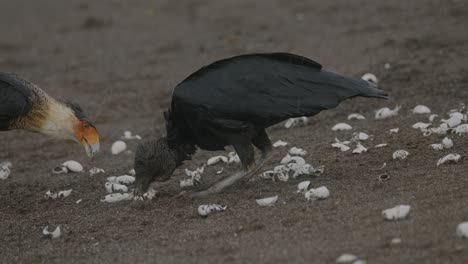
[154,161]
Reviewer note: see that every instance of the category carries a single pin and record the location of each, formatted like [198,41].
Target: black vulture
[23,105]
[232,102]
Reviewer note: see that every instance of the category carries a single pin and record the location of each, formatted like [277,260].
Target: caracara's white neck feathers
[58,121]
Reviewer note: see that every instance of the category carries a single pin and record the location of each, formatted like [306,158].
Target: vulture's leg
[246,154]
[263,143]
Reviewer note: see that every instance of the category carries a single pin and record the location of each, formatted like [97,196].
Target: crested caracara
[24,105]
[232,102]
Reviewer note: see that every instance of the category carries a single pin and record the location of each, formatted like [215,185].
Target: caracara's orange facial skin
[87,135]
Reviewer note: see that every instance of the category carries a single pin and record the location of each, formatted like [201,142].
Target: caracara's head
[84,131]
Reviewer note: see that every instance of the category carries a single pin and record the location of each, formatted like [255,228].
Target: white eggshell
[457,115]
[118,147]
[461,129]
[356,116]
[288,159]
[447,142]
[300,169]
[462,230]
[64,193]
[303,186]
[297,151]
[132,172]
[452,121]
[216,159]
[54,234]
[437,146]
[394,130]
[421,109]
[206,209]
[269,201]
[319,193]
[79,201]
[6,164]
[450,158]
[293,122]
[124,179]
[115,187]
[386,112]
[381,145]
[361,136]
[280,143]
[341,127]
[341,146]
[400,154]
[432,117]
[396,213]
[50,195]
[346,258]
[233,158]
[4,173]
[395,241]
[73,166]
[93,171]
[421,125]
[117,197]
[186,183]
[370,77]
[359,149]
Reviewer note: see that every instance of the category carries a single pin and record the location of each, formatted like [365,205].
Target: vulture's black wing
[15,97]
[262,89]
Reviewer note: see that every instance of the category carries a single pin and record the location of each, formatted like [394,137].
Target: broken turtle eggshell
[396,213]
[233,158]
[280,143]
[341,127]
[447,142]
[303,186]
[206,209]
[216,159]
[297,151]
[4,173]
[288,159]
[54,234]
[421,109]
[461,129]
[50,195]
[381,145]
[118,147]
[319,193]
[452,121]
[370,77]
[355,116]
[93,171]
[421,125]
[294,122]
[64,193]
[400,154]
[361,136]
[346,258]
[359,149]
[432,117]
[73,166]
[269,201]
[115,187]
[437,146]
[462,230]
[450,158]
[394,130]
[117,197]
[124,179]
[386,112]
[343,146]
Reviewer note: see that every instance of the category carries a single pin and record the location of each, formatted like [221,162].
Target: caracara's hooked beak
[87,135]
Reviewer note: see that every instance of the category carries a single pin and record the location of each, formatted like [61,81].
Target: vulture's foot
[231,180]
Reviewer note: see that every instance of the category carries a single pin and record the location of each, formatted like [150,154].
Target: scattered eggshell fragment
[462,230]
[150,194]
[233,158]
[118,147]
[381,145]
[432,117]
[132,172]
[461,129]
[386,112]
[370,77]
[117,197]
[50,195]
[288,159]
[421,109]
[447,142]
[361,136]
[54,234]
[341,127]
[343,146]
[359,149]
[303,186]
[319,193]
[395,241]
[394,130]
[355,116]
[437,146]
[269,201]
[301,169]
[124,179]
[421,125]
[184,183]
[73,166]
[59,170]
[64,193]
[450,158]
[93,171]
[79,201]
[294,122]
[280,143]
[297,151]
[452,121]
[400,154]
[5,170]
[346,258]
[128,135]
[206,209]
[360,261]
[216,159]
[396,213]
[457,115]
[115,187]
